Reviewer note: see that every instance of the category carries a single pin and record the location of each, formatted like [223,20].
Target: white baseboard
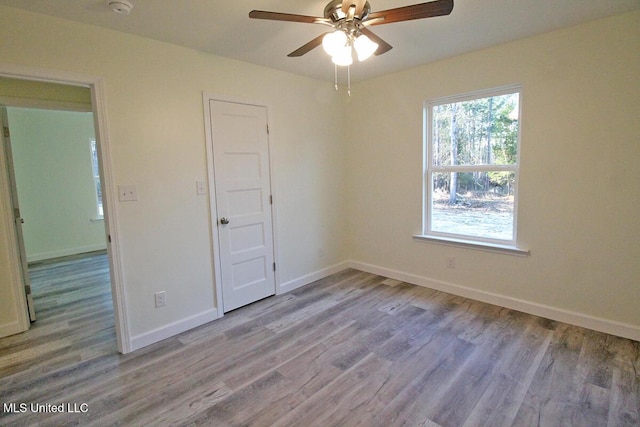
[65,252]
[159,334]
[311,277]
[175,328]
[624,330]
[549,312]
[10,329]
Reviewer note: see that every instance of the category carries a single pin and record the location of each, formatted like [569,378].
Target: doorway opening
[90,262]
[53,163]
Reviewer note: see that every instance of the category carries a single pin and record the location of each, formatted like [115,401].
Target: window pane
[478,204]
[96,178]
[482,131]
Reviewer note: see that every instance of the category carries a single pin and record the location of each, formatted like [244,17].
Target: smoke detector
[122,7]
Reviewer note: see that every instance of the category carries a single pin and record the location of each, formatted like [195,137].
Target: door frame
[213,219]
[96,86]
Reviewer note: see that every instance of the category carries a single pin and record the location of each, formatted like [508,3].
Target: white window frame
[429,170]
[95,170]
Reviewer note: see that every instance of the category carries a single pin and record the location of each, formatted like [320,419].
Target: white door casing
[243,215]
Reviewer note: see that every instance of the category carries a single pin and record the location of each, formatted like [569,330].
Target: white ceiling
[223,28]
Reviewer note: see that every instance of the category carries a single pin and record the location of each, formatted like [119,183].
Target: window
[471,167]
[96,179]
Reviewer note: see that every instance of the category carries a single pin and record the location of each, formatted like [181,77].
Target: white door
[16,215]
[243,202]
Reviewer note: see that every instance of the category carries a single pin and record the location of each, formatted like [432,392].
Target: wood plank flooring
[351,349]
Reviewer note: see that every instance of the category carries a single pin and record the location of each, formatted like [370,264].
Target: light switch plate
[201,188]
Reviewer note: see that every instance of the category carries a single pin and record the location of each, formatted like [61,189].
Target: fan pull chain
[335,78]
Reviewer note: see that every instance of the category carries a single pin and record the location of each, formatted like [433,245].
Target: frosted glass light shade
[334,43]
[343,56]
[364,47]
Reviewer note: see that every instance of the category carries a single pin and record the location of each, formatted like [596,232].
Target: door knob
[224,220]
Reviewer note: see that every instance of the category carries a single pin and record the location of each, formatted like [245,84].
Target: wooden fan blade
[383,46]
[307,47]
[416,11]
[277,16]
[359,4]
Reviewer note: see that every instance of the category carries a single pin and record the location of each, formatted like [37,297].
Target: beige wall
[579,204]
[155,121]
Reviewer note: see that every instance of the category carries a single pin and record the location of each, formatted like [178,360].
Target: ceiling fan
[350,20]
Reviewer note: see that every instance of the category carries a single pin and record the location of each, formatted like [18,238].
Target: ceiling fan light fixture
[364,47]
[350,20]
[335,42]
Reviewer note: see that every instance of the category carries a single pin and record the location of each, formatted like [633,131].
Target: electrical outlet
[161,299]
[127,193]
[451,262]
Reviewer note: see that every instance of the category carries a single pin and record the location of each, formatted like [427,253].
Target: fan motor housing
[333,10]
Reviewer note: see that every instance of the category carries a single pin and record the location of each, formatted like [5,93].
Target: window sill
[92,220]
[470,244]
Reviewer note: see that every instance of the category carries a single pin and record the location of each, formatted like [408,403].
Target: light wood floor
[351,349]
